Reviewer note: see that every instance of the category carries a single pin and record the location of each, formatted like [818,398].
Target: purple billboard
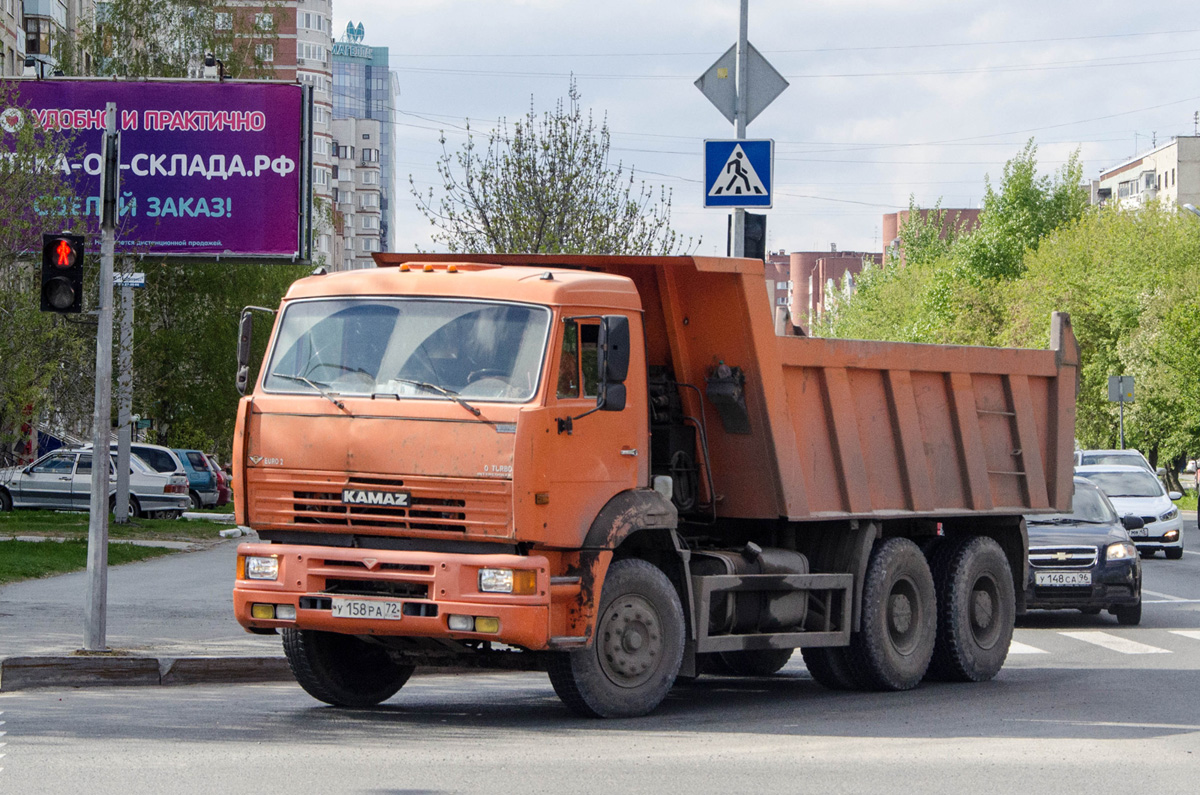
[207,169]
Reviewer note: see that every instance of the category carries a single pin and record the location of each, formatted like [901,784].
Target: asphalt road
[1083,705]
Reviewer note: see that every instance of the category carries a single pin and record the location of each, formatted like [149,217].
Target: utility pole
[124,402]
[96,607]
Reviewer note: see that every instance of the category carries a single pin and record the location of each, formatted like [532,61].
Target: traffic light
[754,243]
[62,273]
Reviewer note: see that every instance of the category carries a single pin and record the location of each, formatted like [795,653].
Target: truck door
[602,453]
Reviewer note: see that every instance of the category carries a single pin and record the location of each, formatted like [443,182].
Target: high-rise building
[365,88]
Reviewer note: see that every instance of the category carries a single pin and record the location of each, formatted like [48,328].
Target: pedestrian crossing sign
[738,173]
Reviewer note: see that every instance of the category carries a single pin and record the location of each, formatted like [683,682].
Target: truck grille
[1062,557]
[437,506]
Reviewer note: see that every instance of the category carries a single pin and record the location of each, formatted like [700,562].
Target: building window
[321,176]
[370,200]
[223,20]
[370,177]
[264,22]
[369,222]
[264,52]
[369,244]
[366,136]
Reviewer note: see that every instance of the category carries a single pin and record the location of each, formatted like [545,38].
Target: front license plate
[1138,532]
[1062,578]
[366,608]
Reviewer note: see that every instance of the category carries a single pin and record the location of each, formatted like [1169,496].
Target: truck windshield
[403,347]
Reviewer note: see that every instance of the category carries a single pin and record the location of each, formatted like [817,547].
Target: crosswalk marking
[1115,643]
[1194,634]
[1017,647]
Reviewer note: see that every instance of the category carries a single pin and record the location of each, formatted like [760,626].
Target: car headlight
[262,567]
[507,581]
[1121,550]
[1169,515]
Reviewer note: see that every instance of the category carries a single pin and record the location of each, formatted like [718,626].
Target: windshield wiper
[450,393]
[327,395]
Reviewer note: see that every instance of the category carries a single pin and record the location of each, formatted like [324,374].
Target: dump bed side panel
[895,429]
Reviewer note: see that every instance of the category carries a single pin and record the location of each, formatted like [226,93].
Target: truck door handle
[628,451]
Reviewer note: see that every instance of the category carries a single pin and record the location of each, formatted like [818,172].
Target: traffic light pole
[96,608]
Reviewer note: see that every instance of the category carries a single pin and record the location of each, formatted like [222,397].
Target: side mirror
[245,335]
[613,362]
[1174,495]
[1132,522]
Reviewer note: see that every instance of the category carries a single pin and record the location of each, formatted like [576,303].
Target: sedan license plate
[366,608]
[1138,532]
[1062,578]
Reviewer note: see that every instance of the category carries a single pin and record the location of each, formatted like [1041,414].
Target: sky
[887,99]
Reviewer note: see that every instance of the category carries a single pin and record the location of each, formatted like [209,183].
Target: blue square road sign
[738,173]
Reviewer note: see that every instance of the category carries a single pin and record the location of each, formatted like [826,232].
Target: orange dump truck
[612,469]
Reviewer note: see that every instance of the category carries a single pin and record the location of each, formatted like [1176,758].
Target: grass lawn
[75,525]
[23,560]
[1188,503]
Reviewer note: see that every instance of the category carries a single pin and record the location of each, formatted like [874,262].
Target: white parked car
[1134,490]
[62,480]
[1131,458]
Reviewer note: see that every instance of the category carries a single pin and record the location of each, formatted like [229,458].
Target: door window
[55,465]
[578,362]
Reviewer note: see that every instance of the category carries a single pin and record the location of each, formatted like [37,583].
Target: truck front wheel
[341,669]
[636,652]
[899,617]
[976,610]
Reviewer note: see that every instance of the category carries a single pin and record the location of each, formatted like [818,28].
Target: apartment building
[1168,174]
[37,28]
[358,189]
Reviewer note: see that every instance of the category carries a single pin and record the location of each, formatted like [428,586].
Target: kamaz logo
[395,499]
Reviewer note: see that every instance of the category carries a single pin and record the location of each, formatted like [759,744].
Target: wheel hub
[985,600]
[903,619]
[631,642]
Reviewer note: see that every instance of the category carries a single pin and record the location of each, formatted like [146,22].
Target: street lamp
[1191,208]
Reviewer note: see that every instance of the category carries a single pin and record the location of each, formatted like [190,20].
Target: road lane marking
[1115,643]
[1109,723]
[1016,647]
[1166,597]
[1190,552]
[1194,634]
[1170,601]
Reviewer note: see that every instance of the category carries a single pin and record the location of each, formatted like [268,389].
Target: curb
[27,673]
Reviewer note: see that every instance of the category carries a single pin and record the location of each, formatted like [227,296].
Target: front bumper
[429,587]
[1160,535]
[1118,583]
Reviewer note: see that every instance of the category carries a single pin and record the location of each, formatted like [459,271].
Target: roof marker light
[452,268]
[429,267]
[404,267]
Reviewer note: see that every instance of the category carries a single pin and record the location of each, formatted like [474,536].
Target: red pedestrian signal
[64,254]
[62,273]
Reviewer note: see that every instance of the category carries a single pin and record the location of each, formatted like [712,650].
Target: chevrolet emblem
[1061,555]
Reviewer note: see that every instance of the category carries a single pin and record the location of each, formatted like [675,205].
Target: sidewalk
[169,621]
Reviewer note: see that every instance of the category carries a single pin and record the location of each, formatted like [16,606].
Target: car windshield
[1088,506]
[1124,459]
[1126,484]
[420,348]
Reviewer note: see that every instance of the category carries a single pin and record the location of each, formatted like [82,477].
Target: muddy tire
[636,652]
[5,501]
[976,610]
[899,618]
[341,669]
[756,662]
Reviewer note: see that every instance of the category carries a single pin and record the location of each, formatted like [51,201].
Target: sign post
[755,86]
[127,282]
[1120,391]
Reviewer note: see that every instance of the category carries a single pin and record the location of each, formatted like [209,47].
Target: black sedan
[1085,560]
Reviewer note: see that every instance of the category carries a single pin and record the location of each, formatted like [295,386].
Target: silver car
[62,480]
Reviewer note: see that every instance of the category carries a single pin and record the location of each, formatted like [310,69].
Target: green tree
[169,38]
[546,185]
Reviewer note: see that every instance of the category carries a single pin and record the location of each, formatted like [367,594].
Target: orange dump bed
[847,428]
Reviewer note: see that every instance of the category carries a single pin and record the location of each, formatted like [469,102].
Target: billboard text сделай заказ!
[207,169]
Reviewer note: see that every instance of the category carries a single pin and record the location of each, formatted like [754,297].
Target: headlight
[507,581]
[1121,550]
[262,568]
[1169,515]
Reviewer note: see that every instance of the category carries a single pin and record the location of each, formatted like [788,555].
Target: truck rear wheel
[341,669]
[976,610]
[899,617]
[756,662]
[831,668]
[637,649]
